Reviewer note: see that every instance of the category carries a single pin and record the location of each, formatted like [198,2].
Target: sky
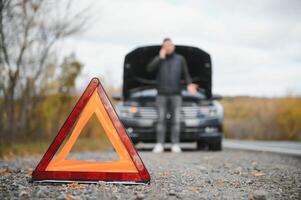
[255,46]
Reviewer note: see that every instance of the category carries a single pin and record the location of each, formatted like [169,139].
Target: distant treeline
[263,118]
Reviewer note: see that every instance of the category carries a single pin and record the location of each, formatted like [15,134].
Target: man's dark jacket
[169,73]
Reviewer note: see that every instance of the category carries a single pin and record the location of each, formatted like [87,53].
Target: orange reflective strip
[83,166]
[94,105]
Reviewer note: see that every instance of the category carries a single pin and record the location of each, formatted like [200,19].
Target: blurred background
[51,49]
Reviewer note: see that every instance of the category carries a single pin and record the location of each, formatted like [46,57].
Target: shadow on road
[186,147]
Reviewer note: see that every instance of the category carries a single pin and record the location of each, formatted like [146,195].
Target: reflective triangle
[129,167]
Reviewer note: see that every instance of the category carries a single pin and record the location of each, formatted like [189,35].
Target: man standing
[170,67]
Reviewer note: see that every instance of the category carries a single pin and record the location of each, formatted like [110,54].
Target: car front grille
[147,112]
[151,112]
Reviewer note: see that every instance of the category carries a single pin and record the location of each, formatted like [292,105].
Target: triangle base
[88,182]
[61,176]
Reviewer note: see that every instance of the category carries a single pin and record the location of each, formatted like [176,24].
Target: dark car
[201,114]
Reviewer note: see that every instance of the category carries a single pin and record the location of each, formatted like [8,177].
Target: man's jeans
[171,103]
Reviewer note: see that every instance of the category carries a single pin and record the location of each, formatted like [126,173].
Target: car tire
[215,145]
[201,145]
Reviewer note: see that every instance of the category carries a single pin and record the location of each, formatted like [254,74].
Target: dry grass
[8,151]
[263,118]
[92,138]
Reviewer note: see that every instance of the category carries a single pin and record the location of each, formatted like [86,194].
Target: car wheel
[201,145]
[215,145]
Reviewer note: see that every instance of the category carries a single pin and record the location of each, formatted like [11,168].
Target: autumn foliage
[263,118]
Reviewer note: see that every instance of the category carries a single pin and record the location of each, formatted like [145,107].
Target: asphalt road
[230,174]
[283,147]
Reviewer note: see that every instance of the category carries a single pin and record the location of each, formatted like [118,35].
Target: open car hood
[135,75]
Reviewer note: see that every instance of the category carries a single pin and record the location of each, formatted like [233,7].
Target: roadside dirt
[228,174]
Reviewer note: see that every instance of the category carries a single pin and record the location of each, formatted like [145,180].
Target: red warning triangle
[129,168]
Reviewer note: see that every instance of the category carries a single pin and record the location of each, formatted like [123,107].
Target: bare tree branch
[29,30]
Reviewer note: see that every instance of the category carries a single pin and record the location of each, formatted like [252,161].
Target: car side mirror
[116,97]
[217,97]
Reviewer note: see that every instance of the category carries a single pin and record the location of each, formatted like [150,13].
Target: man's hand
[162,53]
[192,88]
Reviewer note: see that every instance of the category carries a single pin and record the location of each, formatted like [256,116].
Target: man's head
[168,46]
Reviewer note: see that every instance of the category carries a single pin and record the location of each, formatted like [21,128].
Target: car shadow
[185,147]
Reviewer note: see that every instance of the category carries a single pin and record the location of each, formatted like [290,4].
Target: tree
[29,31]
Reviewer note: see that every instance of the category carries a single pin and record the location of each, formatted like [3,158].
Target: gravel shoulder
[230,174]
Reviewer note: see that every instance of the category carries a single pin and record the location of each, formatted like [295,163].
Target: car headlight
[209,111]
[127,111]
